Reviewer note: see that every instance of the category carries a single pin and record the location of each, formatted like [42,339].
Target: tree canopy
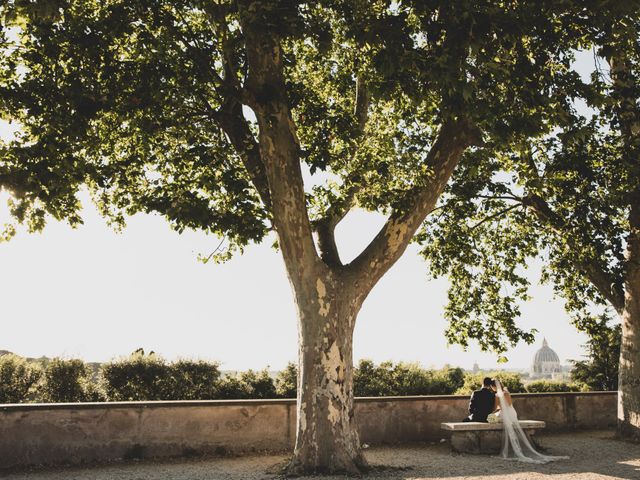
[146,102]
[564,197]
[599,371]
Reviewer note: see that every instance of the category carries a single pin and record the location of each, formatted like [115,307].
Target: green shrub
[473,381]
[370,380]
[231,386]
[137,377]
[18,379]
[94,391]
[192,380]
[247,384]
[455,377]
[389,379]
[540,386]
[66,381]
[287,381]
[143,377]
[260,383]
[411,379]
[150,377]
[447,380]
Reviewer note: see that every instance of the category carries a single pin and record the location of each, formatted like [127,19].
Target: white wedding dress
[515,443]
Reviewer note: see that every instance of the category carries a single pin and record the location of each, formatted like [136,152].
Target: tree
[204,112]
[453,379]
[600,370]
[572,197]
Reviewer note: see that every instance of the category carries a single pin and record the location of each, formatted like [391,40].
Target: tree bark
[628,116]
[326,435]
[629,370]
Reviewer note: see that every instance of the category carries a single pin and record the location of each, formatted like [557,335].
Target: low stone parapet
[35,434]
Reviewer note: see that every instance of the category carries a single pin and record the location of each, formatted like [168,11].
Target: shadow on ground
[593,455]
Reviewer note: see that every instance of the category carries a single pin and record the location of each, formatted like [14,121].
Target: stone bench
[481,437]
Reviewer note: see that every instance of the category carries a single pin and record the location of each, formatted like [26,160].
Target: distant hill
[41,359]
[7,352]
[44,360]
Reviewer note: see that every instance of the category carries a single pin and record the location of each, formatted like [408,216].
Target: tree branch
[495,215]
[456,134]
[361,109]
[229,117]
[500,197]
[604,282]
[278,143]
[394,237]
[232,121]
[327,246]
[325,226]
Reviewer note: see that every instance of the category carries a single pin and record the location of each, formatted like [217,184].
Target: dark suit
[481,405]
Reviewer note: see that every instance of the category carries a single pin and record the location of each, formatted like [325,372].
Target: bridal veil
[515,443]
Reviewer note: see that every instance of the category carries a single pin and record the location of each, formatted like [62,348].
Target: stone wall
[34,434]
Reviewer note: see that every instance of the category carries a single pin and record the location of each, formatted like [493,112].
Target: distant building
[546,363]
[476,368]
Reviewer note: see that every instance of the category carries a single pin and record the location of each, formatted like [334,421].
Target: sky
[96,294]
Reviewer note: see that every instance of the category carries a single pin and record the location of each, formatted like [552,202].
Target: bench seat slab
[480,426]
[485,438]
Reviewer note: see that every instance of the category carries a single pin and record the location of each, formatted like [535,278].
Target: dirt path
[594,455]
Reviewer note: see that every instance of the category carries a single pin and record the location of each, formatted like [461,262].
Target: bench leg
[478,442]
[484,441]
[465,442]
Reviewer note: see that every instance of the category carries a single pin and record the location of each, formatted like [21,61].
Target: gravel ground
[594,455]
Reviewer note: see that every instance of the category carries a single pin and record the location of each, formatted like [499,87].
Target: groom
[482,402]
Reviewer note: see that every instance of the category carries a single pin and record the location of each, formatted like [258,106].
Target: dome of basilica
[546,362]
[545,354]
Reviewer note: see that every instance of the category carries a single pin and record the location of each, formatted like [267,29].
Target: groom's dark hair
[487,382]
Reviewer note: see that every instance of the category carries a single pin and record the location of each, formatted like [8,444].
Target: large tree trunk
[326,435]
[629,373]
[628,117]
[326,438]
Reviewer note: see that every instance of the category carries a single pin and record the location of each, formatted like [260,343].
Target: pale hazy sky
[96,294]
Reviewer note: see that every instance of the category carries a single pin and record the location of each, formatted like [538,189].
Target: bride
[515,443]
